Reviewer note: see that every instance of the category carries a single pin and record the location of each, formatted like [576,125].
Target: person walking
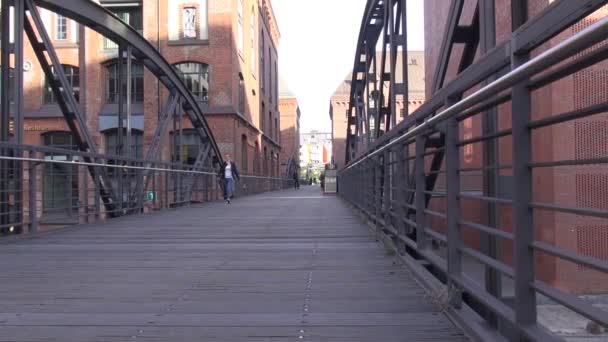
[228,174]
[296,180]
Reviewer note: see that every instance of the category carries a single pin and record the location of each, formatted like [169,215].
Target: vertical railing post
[454,257]
[377,191]
[33,207]
[386,177]
[420,192]
[523,225]
[97,193]
[525,296]
[400,184]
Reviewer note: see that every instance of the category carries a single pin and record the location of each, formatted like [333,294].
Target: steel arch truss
[132,47]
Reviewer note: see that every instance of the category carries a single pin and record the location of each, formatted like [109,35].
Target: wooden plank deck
[286,266]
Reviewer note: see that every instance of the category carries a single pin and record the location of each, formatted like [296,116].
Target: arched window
[187,149]
[72,74]
[112,143]
[60,180]
[244,153]
[272,163]
[265,161]
[241,37]
[241,94]
[196,78]
[252,58]
[137,82]
[270,125]
[256,159]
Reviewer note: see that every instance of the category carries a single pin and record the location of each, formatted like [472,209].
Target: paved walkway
[286,266]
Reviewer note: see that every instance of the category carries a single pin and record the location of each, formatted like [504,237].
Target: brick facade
[290,130]
[234,97]
[215,45]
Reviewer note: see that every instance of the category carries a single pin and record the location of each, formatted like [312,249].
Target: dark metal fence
[58,189]
[433,224]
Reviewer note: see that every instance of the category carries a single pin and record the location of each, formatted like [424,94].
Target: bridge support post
[454,257]
[420,198]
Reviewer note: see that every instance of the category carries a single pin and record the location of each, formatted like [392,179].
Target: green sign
[150,195]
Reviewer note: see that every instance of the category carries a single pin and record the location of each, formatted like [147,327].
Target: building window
[137,83]
[252,58]
[241,37]
[113,147]
[276,82]
[60,180]
[270,124]
[132,16]
[61,27]
[11,84]
[241,94]
[276,129]
[244,152]
[265,161]
[187,149]
[72,74]
[262,65]
[262,116]
[196,77]
[269,74]
[189,20]
[256,159]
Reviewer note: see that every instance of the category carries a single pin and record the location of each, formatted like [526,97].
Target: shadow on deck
[284,266]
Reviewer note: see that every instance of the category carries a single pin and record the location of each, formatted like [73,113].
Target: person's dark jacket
[235,171]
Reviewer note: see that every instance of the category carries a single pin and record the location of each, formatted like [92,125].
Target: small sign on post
[150,196]
[331,179]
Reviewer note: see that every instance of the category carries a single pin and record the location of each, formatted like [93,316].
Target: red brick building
[338,106]
[225,49]
[582,186]
[290,129]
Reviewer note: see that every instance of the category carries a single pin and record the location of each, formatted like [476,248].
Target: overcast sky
[316,50]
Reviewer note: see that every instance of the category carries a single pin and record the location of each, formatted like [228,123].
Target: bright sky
[317,46]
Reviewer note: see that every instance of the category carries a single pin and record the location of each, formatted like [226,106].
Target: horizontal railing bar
[571,210]
[487,229]
[485,198]
[486,260]
[597,264]
[435,213]
[436,235]
[127,167]
[569,116]
[572,302]
[489,301]
[571,162]
[481,138]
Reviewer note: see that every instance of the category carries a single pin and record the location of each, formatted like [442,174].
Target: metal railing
[440,228]
[58,190]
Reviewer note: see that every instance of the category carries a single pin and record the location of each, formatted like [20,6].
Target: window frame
[137,88]
[49,95]
[204,74]
[61,22]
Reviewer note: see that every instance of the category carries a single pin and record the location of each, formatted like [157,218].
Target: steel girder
[107,24]
[552,20]
[130,41]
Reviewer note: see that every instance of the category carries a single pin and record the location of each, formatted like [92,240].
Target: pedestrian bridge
[282,266]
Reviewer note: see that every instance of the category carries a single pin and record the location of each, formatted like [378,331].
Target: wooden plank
[271,267]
